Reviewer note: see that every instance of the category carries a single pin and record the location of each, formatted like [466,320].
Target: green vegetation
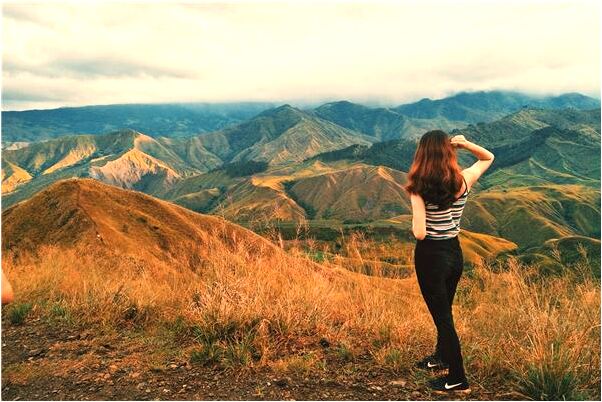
[18,312]
[238,169]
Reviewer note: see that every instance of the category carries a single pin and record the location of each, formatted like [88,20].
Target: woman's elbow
[7,295]
[7,291]
[419,234]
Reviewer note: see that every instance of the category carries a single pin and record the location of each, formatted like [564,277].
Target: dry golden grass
[543,332]
[538,333]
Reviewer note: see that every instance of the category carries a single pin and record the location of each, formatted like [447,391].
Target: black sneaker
[432,362]
[446,385]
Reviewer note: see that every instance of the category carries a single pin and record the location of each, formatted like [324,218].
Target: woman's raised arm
[485,159]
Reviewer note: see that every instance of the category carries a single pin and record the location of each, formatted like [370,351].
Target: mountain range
[174,120]
[192,119]
[344,165]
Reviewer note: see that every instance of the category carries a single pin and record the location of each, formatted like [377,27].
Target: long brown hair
[435,173]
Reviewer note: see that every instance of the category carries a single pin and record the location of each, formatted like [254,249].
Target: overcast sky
[385,53]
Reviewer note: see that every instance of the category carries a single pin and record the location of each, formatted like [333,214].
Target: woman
[438,191]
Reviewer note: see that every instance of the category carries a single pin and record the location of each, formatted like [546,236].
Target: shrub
[18,312]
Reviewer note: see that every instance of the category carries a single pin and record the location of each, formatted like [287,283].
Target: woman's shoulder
[467,178]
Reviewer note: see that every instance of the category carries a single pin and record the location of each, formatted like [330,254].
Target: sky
[384,53]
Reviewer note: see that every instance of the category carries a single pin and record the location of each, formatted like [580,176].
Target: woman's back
[444,223]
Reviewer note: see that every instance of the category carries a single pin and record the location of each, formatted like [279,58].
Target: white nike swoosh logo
[451,386]
[431,365]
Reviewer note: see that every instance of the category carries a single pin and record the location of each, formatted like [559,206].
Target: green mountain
[529,216]
[484,106]
[396,154]
[455,112]
[295,192]
[281,135]
[536,146]
[171,120]
[357,193]
[516,126]
[381,123]
[555,255]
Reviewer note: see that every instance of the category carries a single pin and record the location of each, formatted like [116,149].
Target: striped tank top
[445,223]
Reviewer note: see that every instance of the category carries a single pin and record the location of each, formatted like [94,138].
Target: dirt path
[42,363]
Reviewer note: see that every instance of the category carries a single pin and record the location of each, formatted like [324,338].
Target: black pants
[439,266]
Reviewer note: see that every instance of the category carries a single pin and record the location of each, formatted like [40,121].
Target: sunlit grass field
[536,334]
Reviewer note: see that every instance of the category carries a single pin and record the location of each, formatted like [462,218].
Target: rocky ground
[41,362]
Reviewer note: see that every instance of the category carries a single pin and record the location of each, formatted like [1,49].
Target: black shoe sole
[438,368]
[452,391]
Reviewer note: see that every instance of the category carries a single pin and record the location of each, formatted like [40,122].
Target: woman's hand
[459,141]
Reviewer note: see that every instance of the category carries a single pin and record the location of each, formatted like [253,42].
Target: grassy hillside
[312,190]
[358,193]
[554,255]
[529,216]
[13,176]
[252,199]
[103,218]
[186,293]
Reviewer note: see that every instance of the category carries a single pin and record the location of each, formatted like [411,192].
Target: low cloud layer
[377,52]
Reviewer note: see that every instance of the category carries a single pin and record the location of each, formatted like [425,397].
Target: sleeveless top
[445,223]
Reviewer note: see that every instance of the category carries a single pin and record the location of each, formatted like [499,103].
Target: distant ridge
[172,119]
[190,119]
[483,106]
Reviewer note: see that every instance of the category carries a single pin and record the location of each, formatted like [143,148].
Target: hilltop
[99,217]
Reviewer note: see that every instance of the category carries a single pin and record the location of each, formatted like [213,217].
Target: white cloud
[386,52]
